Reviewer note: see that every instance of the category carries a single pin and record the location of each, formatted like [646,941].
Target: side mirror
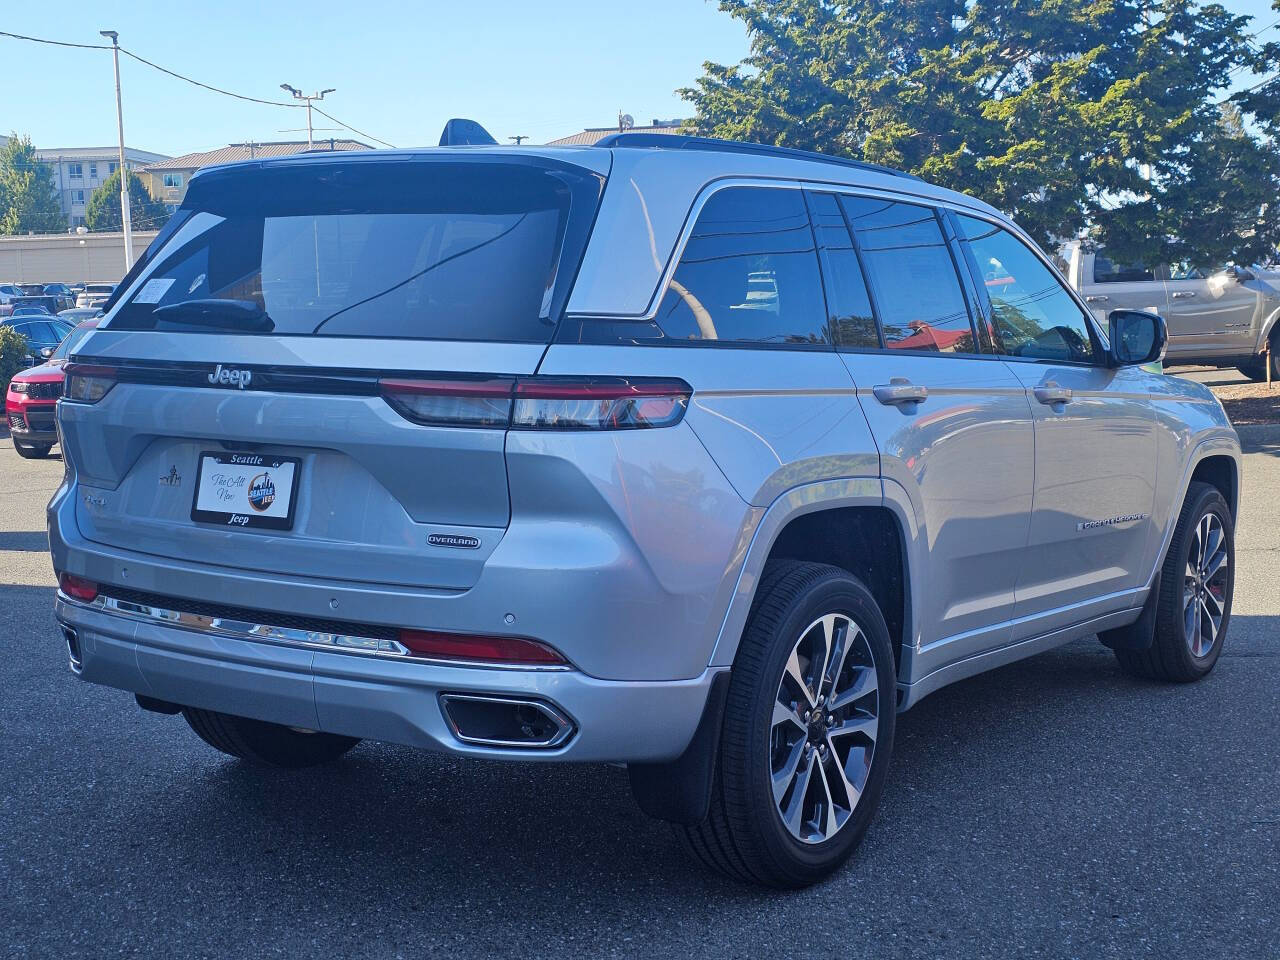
[46,352]
[1136,337]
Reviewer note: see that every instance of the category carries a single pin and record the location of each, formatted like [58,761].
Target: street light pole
[125,220]
[307,98]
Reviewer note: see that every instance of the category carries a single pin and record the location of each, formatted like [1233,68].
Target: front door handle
[1182,294]
[900,391]
[1097,298]
[1053,394]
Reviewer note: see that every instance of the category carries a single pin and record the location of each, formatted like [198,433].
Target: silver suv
[701,457]
[1223,317]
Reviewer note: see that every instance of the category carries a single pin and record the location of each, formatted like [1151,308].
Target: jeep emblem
[222,376]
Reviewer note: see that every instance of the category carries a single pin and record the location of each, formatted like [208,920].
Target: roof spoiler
[461,133]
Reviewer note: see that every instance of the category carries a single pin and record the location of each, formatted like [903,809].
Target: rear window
[394,249]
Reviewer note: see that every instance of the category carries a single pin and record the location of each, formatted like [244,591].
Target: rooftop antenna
[625,121]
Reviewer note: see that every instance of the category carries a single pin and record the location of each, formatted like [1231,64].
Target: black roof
[675,141]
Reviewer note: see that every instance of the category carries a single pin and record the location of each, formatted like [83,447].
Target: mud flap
[1140,634]
[679,791]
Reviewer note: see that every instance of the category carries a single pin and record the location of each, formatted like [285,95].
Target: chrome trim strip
[284,636]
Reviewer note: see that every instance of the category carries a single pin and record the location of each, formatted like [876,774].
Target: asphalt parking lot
[1053,807]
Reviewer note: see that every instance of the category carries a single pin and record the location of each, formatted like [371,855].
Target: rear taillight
[452,403]
[87,383]
[462,646]
[541,403]
[78,588]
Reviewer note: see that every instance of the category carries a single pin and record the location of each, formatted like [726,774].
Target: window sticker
[153,290]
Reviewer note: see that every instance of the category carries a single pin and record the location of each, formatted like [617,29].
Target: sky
[400,69]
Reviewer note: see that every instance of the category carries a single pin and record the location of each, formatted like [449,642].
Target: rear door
[1095,453]
[304,378]
[951,421]
[1210,314]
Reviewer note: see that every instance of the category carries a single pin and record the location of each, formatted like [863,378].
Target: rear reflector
[77,588]
[541,403]
[461,646]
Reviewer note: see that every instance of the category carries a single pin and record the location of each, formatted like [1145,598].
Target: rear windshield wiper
[224,314]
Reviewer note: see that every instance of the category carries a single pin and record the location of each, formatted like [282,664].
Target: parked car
[43,334]
[66,296]
[30,311]
[8,293]
[95,294]
[78,314]
[1222,316]
[33,394]
[46,303]
[702,457]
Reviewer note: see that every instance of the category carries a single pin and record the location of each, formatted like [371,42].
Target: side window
[912,274]
[852,322]
[1034,315]
[1184,270]
[749,272]
[1105,271]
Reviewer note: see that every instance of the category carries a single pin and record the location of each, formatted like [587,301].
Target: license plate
[246,490]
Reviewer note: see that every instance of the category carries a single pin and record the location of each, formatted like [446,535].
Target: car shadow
[450,829]
[31,541]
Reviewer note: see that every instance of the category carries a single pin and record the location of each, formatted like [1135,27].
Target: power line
[190,80]
[367,136]
[225,93]
[56,43]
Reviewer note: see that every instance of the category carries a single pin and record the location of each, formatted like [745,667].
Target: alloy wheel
[1204,589]
[824,727]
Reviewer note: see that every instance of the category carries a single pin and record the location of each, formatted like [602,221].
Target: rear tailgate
[250,353]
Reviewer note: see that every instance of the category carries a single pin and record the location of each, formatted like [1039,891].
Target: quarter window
[1034,315]
[749,272]
[913,276]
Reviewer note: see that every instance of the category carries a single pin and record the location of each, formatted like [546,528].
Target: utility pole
[125,220]
[519,139]
[307,98]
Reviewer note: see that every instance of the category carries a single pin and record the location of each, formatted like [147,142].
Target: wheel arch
[1214,460]
[843,523]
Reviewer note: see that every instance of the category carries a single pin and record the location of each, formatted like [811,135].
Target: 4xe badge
[225,376]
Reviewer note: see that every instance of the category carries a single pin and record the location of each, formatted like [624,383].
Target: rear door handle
[900,390]
[1053,394]
[1182,294]
[1097,298]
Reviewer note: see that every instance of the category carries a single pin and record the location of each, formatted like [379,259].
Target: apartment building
[78,171]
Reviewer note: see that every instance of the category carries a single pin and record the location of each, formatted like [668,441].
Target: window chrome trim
[283,636]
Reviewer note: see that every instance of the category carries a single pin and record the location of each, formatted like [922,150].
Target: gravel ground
[1049,808]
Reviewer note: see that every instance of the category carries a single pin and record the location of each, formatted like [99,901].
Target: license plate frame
[241,463]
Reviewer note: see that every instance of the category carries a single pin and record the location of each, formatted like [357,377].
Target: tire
[32,451]
[744,835]
[268,744]
[1256,369]
[1182,652]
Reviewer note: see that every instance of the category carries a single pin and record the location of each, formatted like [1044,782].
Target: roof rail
[679,141]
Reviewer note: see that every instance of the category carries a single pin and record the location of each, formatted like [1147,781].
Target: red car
[32,398]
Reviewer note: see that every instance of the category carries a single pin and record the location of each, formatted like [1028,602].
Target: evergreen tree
[1077,114]
[28,201]
[103,211]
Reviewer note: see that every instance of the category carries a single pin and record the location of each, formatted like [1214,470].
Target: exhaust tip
[507,722]
[73,649]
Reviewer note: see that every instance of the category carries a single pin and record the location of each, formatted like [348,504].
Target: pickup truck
[1224,317]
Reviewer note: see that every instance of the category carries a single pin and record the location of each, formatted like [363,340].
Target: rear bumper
[379,698]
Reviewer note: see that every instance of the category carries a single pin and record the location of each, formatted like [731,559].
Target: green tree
[28,202]
[1070,115]
[13,351]
[103,210]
